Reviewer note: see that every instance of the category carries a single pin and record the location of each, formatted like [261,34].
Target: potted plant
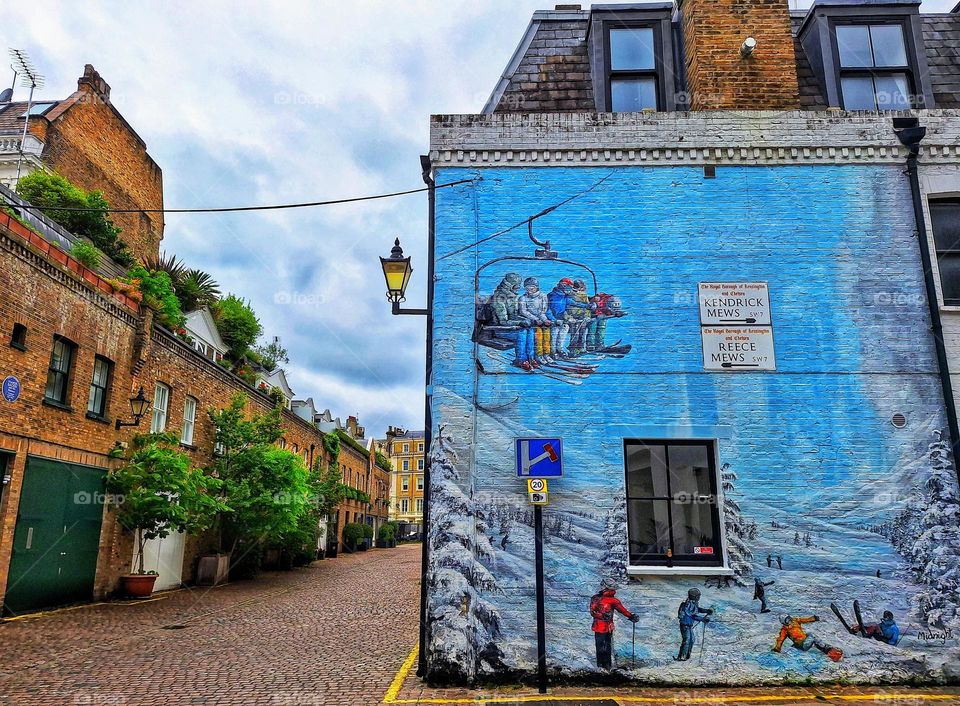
[155,493]
[367,536]
[385,536]
[353,536]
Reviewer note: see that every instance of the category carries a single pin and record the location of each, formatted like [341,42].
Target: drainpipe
[427,169]
[911,134]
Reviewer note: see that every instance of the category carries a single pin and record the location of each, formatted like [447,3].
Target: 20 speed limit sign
[536,485]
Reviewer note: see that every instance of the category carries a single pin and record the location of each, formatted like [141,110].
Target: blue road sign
[11,389]
[539,458]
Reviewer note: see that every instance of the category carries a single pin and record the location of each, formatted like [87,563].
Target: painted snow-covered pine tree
[738,552]
[614,565]
[927,533]
[464,626]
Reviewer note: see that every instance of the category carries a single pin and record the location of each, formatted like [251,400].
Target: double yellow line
[392,695]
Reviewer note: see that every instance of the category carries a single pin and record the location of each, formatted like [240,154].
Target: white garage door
[165,556]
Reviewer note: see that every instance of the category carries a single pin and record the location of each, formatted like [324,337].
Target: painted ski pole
[633,658]
[703,641]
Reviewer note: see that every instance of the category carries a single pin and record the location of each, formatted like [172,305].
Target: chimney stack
[92,82]
[724,75]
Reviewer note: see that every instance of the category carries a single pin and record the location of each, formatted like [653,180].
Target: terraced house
[76,354]
[702,274]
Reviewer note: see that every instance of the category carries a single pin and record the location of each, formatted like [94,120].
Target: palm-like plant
[166,263]
[196,289]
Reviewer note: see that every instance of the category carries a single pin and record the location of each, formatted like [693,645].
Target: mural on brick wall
[839,528]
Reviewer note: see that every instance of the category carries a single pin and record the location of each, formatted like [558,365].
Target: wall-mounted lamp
[138,407]
[396,273]
[746,49]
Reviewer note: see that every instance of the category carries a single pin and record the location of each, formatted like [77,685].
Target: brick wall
[50,299]
[717,76]
[91,144]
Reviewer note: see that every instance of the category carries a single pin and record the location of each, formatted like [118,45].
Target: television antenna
[30,78]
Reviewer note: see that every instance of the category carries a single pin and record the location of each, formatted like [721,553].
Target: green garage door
[57,537]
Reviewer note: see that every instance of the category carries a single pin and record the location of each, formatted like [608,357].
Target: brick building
[405,451]
[716,310]
[72,355]
[361,473]
[86,139]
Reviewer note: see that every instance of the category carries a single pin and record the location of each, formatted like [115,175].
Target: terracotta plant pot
[138,585]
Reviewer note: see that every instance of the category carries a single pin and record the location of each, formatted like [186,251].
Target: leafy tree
[383,461]
[158,294]
[157,492]
[56,194]
[237,323]
[738,552]
[170,264]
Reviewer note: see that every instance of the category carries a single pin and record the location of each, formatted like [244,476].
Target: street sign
[538,498]
[11,389]
[536,485]
[732,303]
[539,457]
[738,348]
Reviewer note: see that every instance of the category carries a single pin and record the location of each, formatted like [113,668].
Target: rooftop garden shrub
[86,254]
[237,323]
[157,291]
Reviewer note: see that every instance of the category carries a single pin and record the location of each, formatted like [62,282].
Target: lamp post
[138,407]
[396,273]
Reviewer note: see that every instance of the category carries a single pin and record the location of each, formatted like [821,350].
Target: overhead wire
[235,209]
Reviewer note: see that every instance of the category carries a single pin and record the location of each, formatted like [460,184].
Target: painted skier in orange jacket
[793,629]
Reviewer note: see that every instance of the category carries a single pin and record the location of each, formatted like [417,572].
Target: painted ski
[856,612]
[836,611]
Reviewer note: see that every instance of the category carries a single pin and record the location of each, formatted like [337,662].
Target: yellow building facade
[405,449]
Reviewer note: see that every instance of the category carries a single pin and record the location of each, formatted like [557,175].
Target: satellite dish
[6,95]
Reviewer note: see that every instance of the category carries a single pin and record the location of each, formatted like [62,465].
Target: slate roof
[10,121]
[941,35]
[550,70]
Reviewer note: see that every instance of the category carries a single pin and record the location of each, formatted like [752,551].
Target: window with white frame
[161,400]
[673,517]
[406,465]
[189,420]
[419,482]
[404,505]
[419,506]
[405,483]
[99,388]
[420,447]
[58,372]
[419,464]
[406,448]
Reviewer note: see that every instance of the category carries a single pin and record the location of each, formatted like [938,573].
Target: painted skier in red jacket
[602,606]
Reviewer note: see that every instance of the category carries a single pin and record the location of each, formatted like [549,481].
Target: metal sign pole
[541,625]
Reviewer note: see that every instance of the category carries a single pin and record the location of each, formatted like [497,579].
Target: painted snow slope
[812,443]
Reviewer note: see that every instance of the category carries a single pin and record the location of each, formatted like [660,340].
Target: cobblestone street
[334,633]
[339,633]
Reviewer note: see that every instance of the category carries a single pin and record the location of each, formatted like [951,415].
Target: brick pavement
[333,634]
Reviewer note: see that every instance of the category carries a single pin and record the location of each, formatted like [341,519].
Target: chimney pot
[93,82]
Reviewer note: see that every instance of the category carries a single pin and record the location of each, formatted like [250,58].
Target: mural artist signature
[933,635]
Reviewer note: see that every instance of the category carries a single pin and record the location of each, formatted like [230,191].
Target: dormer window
[875,72]
[632,58]
[632,85]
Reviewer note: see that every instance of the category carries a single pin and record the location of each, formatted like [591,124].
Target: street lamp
[138,407]
[396,273]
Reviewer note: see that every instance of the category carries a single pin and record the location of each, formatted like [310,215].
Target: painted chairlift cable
[234,209]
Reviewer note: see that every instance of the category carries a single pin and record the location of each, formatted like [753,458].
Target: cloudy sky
[256,103]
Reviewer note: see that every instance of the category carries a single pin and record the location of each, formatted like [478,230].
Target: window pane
[692,528]
[649,529]
[632,48]
[646,472]
[950,278]
[893,92]
[858,93]
[853,42]
[689,471]
[633,95]
[888,45]
[945,216]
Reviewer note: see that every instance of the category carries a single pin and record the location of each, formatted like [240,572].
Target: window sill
[679,571]
[18,346]
[190,447]
[98,418]
[57,405]
[950,308]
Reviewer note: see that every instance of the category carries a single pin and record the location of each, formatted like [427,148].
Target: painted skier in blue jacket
[886,630]
[557,300]
[689,614]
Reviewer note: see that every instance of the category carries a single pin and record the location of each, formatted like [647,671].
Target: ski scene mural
[819,532]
